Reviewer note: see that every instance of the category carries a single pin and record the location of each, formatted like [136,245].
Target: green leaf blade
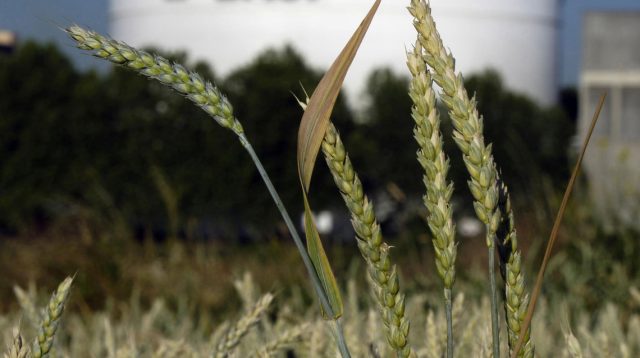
[321,263]
[313,126]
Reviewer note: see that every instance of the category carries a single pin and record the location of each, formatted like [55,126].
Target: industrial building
[516,37]
[611,64]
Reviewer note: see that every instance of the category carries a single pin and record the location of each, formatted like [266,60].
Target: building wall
[611,64]
[610,41]
[517,37]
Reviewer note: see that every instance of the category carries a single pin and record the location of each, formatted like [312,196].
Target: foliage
[95,146]
[91,150]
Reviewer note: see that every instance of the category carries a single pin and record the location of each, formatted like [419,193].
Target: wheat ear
[51,320]
[435,165]
[376,253]
[468,135]
[202,93]
[283,340]
[231,340]
[17,349]
[516,300]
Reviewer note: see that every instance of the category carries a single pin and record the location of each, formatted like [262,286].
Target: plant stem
[324,301]
[495,328]
[447,304]
[339,333]
[447,310]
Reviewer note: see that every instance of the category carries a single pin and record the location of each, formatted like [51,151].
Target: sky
[40,19]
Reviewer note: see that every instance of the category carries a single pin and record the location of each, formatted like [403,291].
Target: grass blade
[312,129]
[321,263]
[554,231]
[316,116]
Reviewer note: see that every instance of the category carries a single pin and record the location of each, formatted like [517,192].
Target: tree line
[83,145]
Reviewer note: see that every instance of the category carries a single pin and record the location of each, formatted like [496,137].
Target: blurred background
[113,176]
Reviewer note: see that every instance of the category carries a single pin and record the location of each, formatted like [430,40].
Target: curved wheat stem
[51,320]
[435,165]
[384,275]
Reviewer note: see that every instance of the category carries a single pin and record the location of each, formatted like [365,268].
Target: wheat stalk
[384,275]
[51,320]
[435,165]
[231,340]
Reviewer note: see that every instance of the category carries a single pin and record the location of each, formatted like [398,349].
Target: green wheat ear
[435,164]
[203,93]
[375,251]
[51,320]
[468,135]
[383,274]
[516,299]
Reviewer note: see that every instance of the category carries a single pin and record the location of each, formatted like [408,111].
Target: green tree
[151,128]
[382,145]
[43,138]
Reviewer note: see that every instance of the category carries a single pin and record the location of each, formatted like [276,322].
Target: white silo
[517,37]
